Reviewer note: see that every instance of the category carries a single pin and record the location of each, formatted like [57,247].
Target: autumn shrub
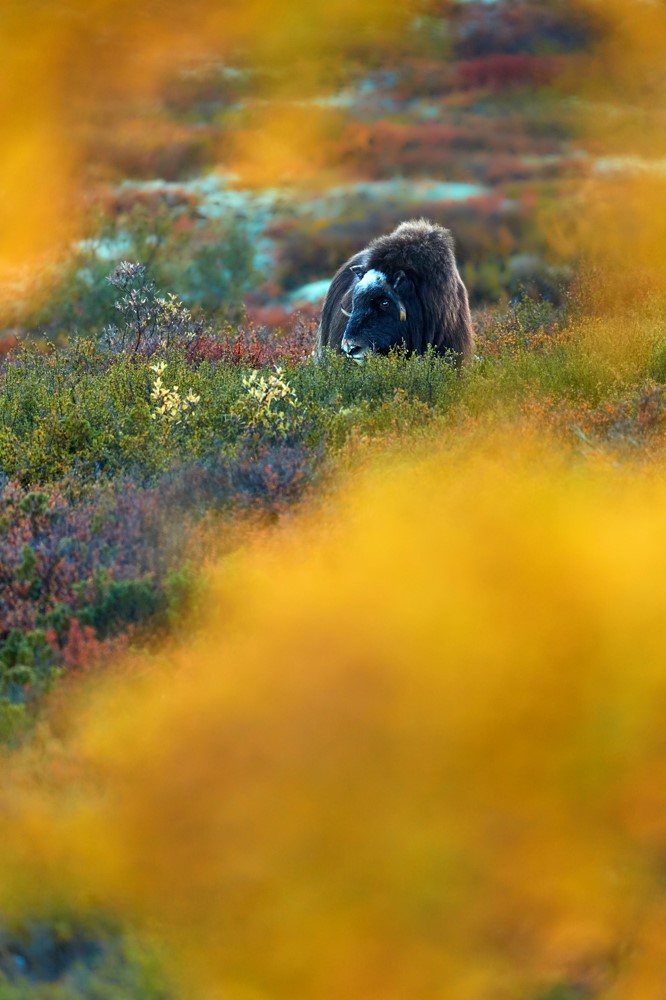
[74,410]
[527,325]
[264,476]
[334,382]
[171,390]
[509,70]
[82,565]
[269,409]
[597,384]
[147,321]
[255,346]
[66,564]
[274,477]
[634,419]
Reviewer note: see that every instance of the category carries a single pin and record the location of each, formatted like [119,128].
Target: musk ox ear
[399,278]
[358,270]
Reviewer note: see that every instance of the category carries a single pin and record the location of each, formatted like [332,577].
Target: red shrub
[257,346]
[8,342]
[509,70]
[82,648]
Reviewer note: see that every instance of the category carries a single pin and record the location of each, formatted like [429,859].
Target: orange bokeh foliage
[71,69]
[618,219]
[417,750]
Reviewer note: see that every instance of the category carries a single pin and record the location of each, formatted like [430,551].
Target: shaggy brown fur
[432,292]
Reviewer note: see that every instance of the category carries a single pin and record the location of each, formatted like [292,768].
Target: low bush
[159,387]
[81,565]
[256,346]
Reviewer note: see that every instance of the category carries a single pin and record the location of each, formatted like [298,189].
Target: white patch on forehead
[371,279]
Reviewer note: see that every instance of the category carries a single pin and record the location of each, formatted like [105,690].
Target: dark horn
[343,310]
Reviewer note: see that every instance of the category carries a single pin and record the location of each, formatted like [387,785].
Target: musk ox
[404,288]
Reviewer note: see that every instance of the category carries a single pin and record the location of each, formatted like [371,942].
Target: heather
[85,567]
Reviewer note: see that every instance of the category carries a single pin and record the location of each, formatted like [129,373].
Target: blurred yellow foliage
[70,69]
[288,143]
[418,750]
[619,219]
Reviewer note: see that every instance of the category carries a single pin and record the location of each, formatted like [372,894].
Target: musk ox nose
[353,349]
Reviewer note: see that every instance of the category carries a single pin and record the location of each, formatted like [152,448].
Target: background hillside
[465,119]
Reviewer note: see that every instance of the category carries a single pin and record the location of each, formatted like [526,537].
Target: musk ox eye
[385,303]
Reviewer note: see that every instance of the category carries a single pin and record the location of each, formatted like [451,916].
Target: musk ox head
[378,316]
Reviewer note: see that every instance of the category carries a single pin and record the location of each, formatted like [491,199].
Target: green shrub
[26,661]
[111,605]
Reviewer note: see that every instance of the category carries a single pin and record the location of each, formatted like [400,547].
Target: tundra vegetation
[318,679]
